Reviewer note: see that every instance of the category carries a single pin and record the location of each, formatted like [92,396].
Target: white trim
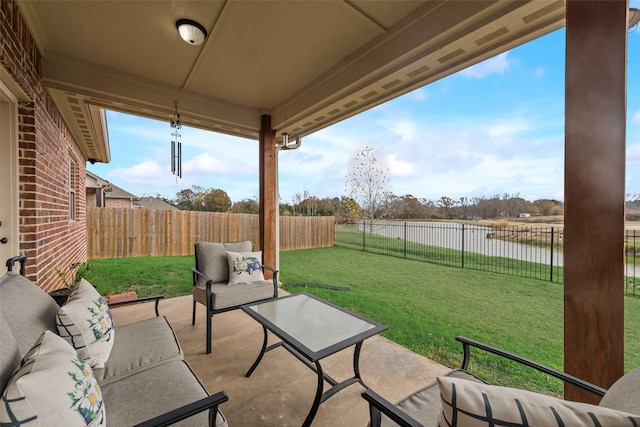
[9,214]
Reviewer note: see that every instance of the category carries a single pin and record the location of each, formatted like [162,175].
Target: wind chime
[176,145]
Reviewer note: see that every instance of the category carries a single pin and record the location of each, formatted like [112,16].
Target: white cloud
[397,167]
[141,173]
[496,65]
[204,162]
[503,129]
[405,129]
[636,117]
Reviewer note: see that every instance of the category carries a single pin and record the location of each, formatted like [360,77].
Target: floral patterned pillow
[245,267]
[53,386]
[85,322]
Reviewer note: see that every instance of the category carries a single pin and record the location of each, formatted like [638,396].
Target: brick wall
[49,239]
[91,197]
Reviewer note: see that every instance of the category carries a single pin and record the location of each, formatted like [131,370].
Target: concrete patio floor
[281,390]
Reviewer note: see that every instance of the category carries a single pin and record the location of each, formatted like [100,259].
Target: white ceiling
[307,63]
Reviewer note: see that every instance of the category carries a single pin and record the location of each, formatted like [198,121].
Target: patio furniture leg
[193,316]
[375,415]
[317,400]
[356,364]
[209,320]
[257,362]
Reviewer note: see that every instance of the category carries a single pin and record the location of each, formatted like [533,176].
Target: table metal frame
[312,358]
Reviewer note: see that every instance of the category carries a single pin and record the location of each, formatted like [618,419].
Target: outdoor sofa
[144,380]
[467,400]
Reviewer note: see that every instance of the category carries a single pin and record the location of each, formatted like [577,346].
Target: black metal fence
[526,251]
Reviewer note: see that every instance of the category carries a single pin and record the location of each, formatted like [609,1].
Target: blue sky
[494,128]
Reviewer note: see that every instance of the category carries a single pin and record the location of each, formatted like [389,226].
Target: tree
[216,200]
[249,206]
[186,199]
[368,184]
[349,210]
[199,199]
[447,204]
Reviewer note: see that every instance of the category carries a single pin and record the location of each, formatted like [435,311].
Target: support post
[268,194]
[595,108]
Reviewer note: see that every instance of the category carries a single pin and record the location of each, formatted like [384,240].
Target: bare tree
[447,204]
[368,184]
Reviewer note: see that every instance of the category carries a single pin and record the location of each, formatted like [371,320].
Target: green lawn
[350,237]
[424,305]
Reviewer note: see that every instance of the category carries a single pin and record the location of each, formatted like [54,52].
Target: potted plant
[70,277]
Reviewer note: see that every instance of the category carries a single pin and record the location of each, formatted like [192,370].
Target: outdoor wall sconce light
[284,145]
[634,17]
[191,31]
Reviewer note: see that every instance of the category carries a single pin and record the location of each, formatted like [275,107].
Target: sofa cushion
[27,309]
[424,405]
[624,394]
[54,386]
[140,345]
[224,296]
[211,258]
[85,321]
[9,353]
[151,392]
[471,403]
[245,267]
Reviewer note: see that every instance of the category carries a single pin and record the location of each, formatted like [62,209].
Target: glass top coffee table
[312,329]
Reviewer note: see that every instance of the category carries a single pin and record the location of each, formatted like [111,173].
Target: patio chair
[465,398]
[228,275]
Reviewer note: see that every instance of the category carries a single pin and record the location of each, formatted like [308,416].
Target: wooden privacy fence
[123,232]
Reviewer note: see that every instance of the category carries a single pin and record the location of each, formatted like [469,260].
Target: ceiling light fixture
[191,31]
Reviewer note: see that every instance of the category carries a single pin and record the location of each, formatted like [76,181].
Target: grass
[374,243]
[425,305]
[169,276]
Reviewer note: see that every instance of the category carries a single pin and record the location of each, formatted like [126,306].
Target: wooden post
[268,192]
[595,104]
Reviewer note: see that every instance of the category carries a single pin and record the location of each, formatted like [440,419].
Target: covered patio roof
[307,64]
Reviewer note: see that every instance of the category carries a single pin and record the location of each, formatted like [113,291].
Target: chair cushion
[211,258]
[85,321]
[425,404]
[152,392]
[54,386]
[140,345]
[624,394]
[225,296]
[245,267]
[471,403]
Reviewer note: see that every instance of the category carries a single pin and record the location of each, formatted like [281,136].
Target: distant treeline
[346,209]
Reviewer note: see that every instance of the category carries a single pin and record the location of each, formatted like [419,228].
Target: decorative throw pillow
[53,386]
[245,267]
[85,322]
[468,403]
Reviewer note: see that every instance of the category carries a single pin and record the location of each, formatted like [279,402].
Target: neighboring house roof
[94,181]
[118,193]
[154,203]
[110,191]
